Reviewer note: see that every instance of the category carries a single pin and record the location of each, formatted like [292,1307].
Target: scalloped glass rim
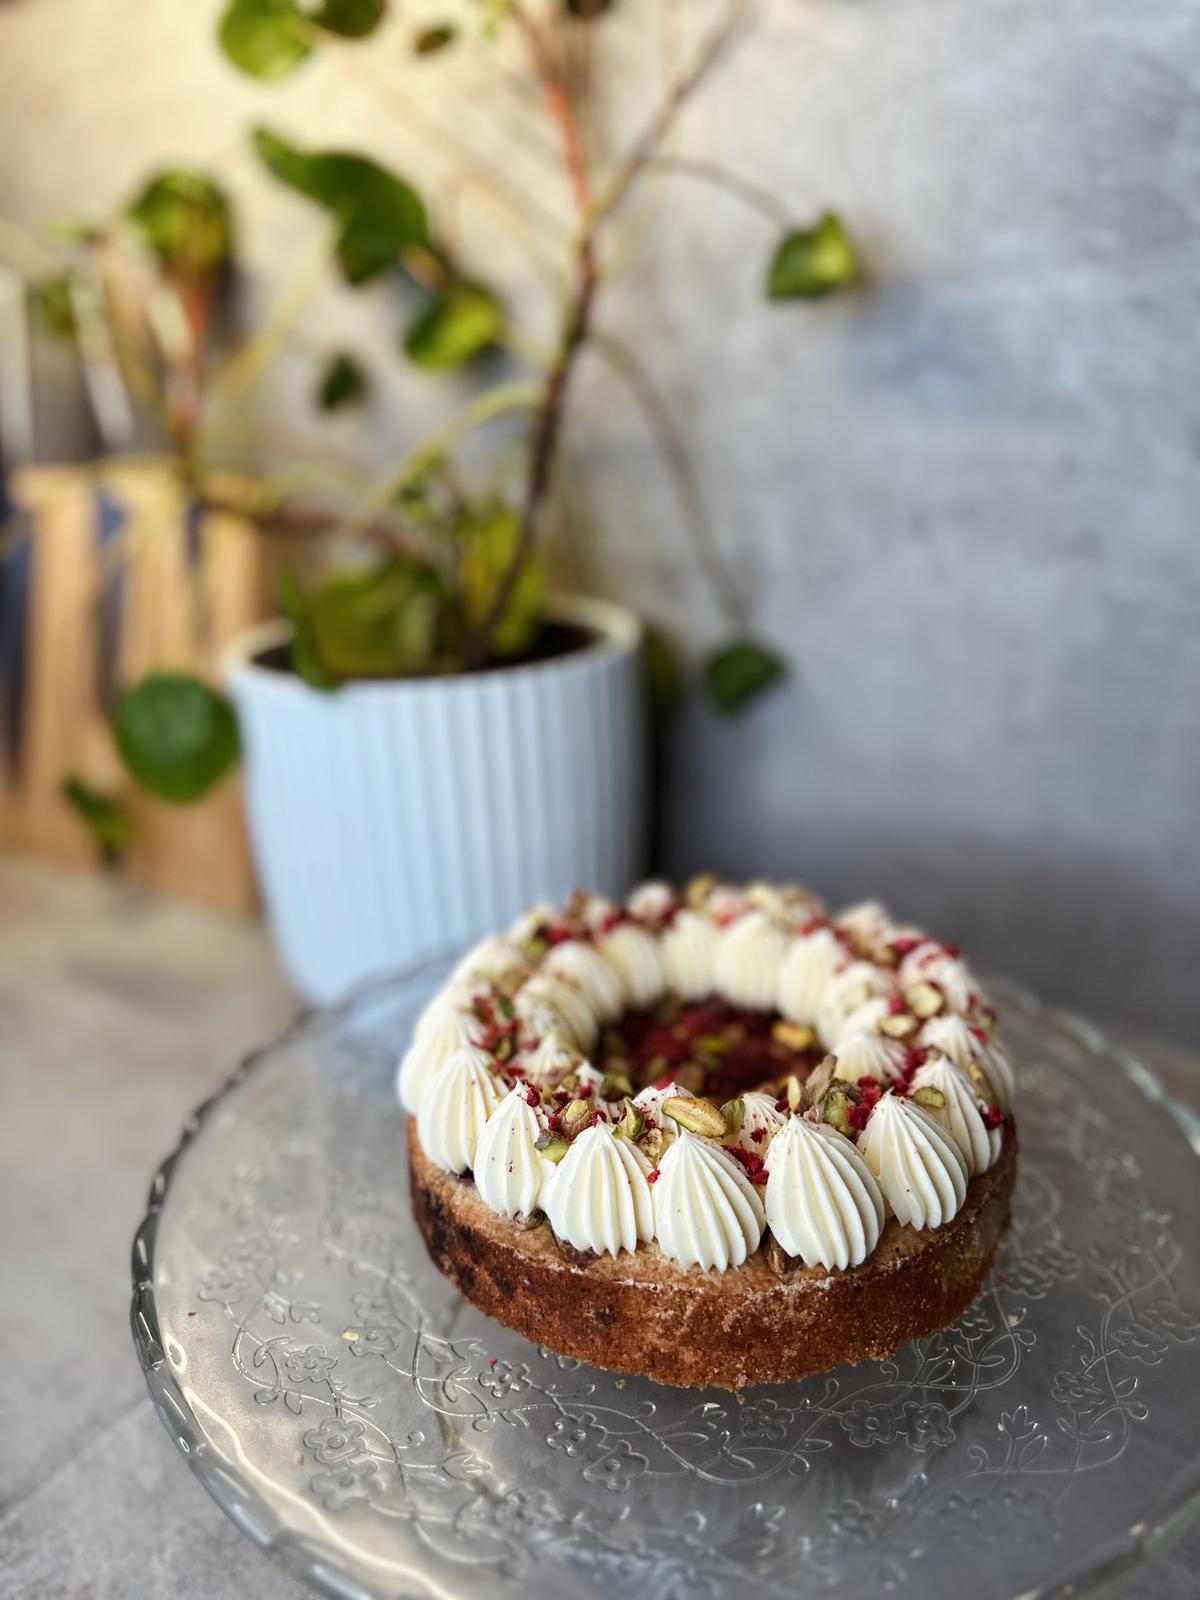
[310,1561]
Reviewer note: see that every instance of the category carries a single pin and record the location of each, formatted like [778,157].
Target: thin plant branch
[438,135]
[673,450]
[644,149]
[592,212]
[230,389]
[486,407]
[751,194]
[548,419]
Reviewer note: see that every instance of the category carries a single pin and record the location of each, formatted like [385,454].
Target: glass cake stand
[380,1438]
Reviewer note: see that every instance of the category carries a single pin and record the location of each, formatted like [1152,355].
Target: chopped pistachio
[835,1106]
[615,1086]
[933,1099]
[632,1124]
[924,1000]
[697,1116]
[691,1076]
[575,1116]
[551,1145]
[713,1044]
[818,1081]
[793,1036]
[901,1025]
[650,1143]
[534,949]
[699,889]
[793,1091]
[734,1112]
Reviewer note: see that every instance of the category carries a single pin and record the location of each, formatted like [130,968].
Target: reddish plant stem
[548,421]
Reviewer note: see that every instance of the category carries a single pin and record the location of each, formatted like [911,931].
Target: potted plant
[432,739]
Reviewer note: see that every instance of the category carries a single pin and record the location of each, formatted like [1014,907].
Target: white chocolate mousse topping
[595,1069]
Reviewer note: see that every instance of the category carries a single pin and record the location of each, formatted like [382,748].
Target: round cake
[718,1138]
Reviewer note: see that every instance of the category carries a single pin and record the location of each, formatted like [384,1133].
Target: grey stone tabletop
[118,1014]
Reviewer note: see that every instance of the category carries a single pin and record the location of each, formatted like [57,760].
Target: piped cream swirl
[808,970]
[582,965]
[750,957]
[706,1212]
[635,955]
[445,1031]
[689,952]
[919,1167]
[961,1115]
[509,1171]
[454,1107]
[823,1203]
[597,1198]
[870,1055]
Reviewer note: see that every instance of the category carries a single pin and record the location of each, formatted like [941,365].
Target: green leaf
[265,38]
[454,327]
[103,816]
[663,676]
[54,306]
[377,622]
[489,532]
[379,215]
[343,382]
[739,671]
[176,736]
[810,262]
[184,219]
[351,19]
[429,41]
[305,657]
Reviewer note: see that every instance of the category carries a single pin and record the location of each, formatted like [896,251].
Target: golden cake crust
[643,1313]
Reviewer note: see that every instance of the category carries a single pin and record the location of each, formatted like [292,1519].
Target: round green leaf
[429,41]
[739,672]
[352,19]
[489,532]
[102,815]
[55,307]
[811,262]
[379,214]
[176,736]
[664,679]
[343,382]
[376,622]
[265,38]
[454,327]
[184,219]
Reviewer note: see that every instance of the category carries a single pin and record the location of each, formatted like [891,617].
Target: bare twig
[646,146]
[577,318]
[732,183]
[674,452]
[548,420]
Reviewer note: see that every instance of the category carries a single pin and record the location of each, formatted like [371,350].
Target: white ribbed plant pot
[397,820]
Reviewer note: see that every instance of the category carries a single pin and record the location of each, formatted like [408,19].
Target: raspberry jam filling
[710,1047]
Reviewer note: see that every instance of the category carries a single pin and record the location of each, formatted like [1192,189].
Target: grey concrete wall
[964,502]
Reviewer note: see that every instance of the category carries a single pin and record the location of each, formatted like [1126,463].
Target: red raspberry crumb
[858,1117]
[993,1117]
[753,1163]
[758,1134]
[653,1177]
